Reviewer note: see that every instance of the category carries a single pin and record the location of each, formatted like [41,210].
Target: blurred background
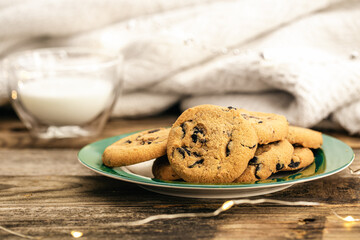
[292,57]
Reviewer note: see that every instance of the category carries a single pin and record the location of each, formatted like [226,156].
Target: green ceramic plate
[333,157]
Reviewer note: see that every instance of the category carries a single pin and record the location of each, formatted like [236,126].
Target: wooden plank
[13,133]
[37,162]
[245,222]
[51,207]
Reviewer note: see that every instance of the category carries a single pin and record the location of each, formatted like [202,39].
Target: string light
[227,205]
[76,234]
[346,219]
[18,234]
[224,207]
[349,219]
[14,94]
[354,172]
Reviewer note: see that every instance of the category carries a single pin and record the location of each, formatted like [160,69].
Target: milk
[67,101]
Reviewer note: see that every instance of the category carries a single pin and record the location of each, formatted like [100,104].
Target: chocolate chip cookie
[304,137]
[162,169]
[137,148]
[302,157]
[268,159]
[268,126]
[211,144]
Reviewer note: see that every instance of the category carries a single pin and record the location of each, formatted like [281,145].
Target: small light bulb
[227,205]
[76,234]
[13,94]
[349,219]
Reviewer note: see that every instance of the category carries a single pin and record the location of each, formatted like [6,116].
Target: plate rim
[216,187]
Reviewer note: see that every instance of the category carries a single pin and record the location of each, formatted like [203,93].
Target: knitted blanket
[296,58]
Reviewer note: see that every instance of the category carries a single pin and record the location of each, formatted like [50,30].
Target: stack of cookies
[212,144]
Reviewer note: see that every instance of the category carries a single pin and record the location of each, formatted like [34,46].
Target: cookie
[161,169]
[301,158]
[248,176]
[304,137]
[211,144]
[268,159]
[137,148]
[268,126]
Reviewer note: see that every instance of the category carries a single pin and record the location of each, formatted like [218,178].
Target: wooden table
[45,192]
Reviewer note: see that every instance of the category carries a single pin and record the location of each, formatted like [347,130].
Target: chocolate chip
[194,138]
[258,168]
[198,130]
[155,130]
[196,154]
[149,142]
[198,135]
[228,147]
[187,150]
[230,107]
[183,129]
[196,163]
[293,164]
[181,151]
[260,121]
[250,147]
[128,141]
[253,161]
[279,166]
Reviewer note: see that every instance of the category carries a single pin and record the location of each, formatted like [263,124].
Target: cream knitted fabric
[290,57]
[349,117]
[310,90]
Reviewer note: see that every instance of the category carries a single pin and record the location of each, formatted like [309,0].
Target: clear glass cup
[63,92]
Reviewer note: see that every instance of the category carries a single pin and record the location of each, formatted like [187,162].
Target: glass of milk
[63,92]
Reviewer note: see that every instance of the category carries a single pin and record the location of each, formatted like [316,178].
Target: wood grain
[52,205]
[13,133]
[45,192]
[39,162]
